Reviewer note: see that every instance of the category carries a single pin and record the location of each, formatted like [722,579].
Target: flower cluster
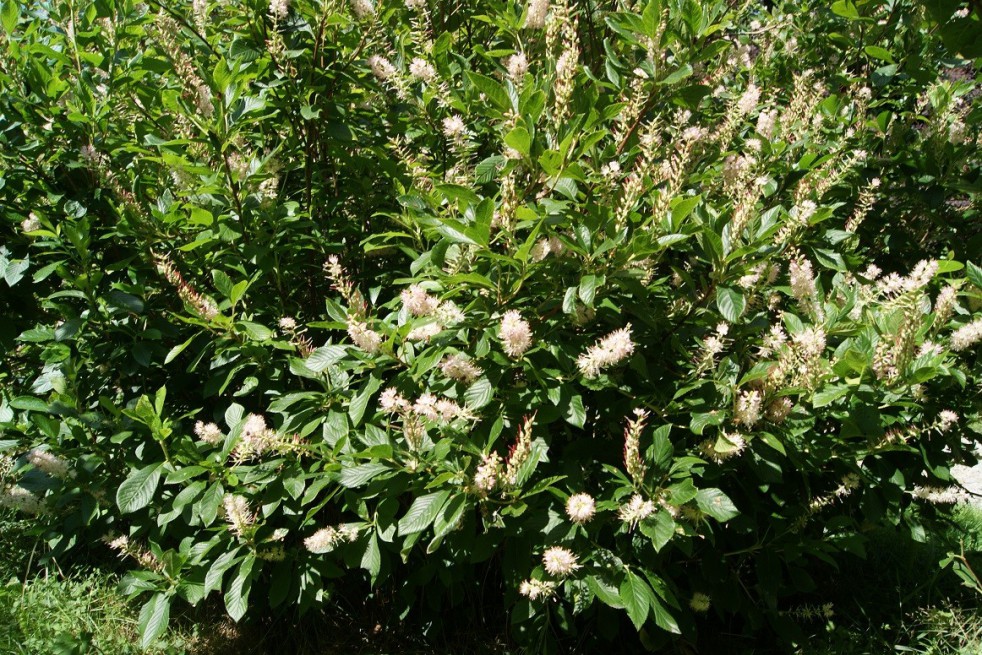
[580,508]
[536,589]
[49,463]
[610,350]
[966,336]
[516,334]
[637,509]
[208,432]
[459,367]
[559,562]
[240,518]
[327,539]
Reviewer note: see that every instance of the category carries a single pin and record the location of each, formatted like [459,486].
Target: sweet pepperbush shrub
[583,310]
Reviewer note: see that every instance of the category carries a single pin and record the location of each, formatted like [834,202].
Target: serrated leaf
[700,421]
[177,350]
[663,619]
[877,52]
[255,331]
[213,579]
[607,593]
[716,504]
[154,616]
[325,356]
[422,513]
[359,475]
[491,89]
[448,517]
[371,559]
[731,303]
[137,490]
[576,412]
[974,274]
[660,528]
[520,140]
[479,394]
[636,597]
[829,395]
[237,596]
[359,403]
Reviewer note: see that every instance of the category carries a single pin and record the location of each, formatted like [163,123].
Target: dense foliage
[581,309]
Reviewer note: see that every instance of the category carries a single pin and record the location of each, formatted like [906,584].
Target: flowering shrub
[632,309]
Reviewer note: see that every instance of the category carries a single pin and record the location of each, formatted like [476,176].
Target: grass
[890,603]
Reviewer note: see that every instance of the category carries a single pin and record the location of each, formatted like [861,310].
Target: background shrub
[607,313]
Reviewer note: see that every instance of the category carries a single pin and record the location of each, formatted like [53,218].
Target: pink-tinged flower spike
[559,561]
[516,334]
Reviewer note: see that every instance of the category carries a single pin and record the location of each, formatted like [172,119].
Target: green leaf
[359,475]
[877,52]
[607,593]
[491,90]
[700,421]
[479,394]
[716,504]
[222,282]
[359,403]
[520,140]
[846,9]
[677,75]
[422,513]
[588,289]
[137,490]
[448,518]
[829,395]
[325,356]
[10,15]
[575,411]
[237,596]
[371,559]
[154,616]
[213,579]
[660,528]
[255,331]
[731,303]
[974,274]
[177,350]
[636,596]
[663,619]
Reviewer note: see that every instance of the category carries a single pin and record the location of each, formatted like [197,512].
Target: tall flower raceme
[633,461]
[612,349]
[520,452]
[202,305]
